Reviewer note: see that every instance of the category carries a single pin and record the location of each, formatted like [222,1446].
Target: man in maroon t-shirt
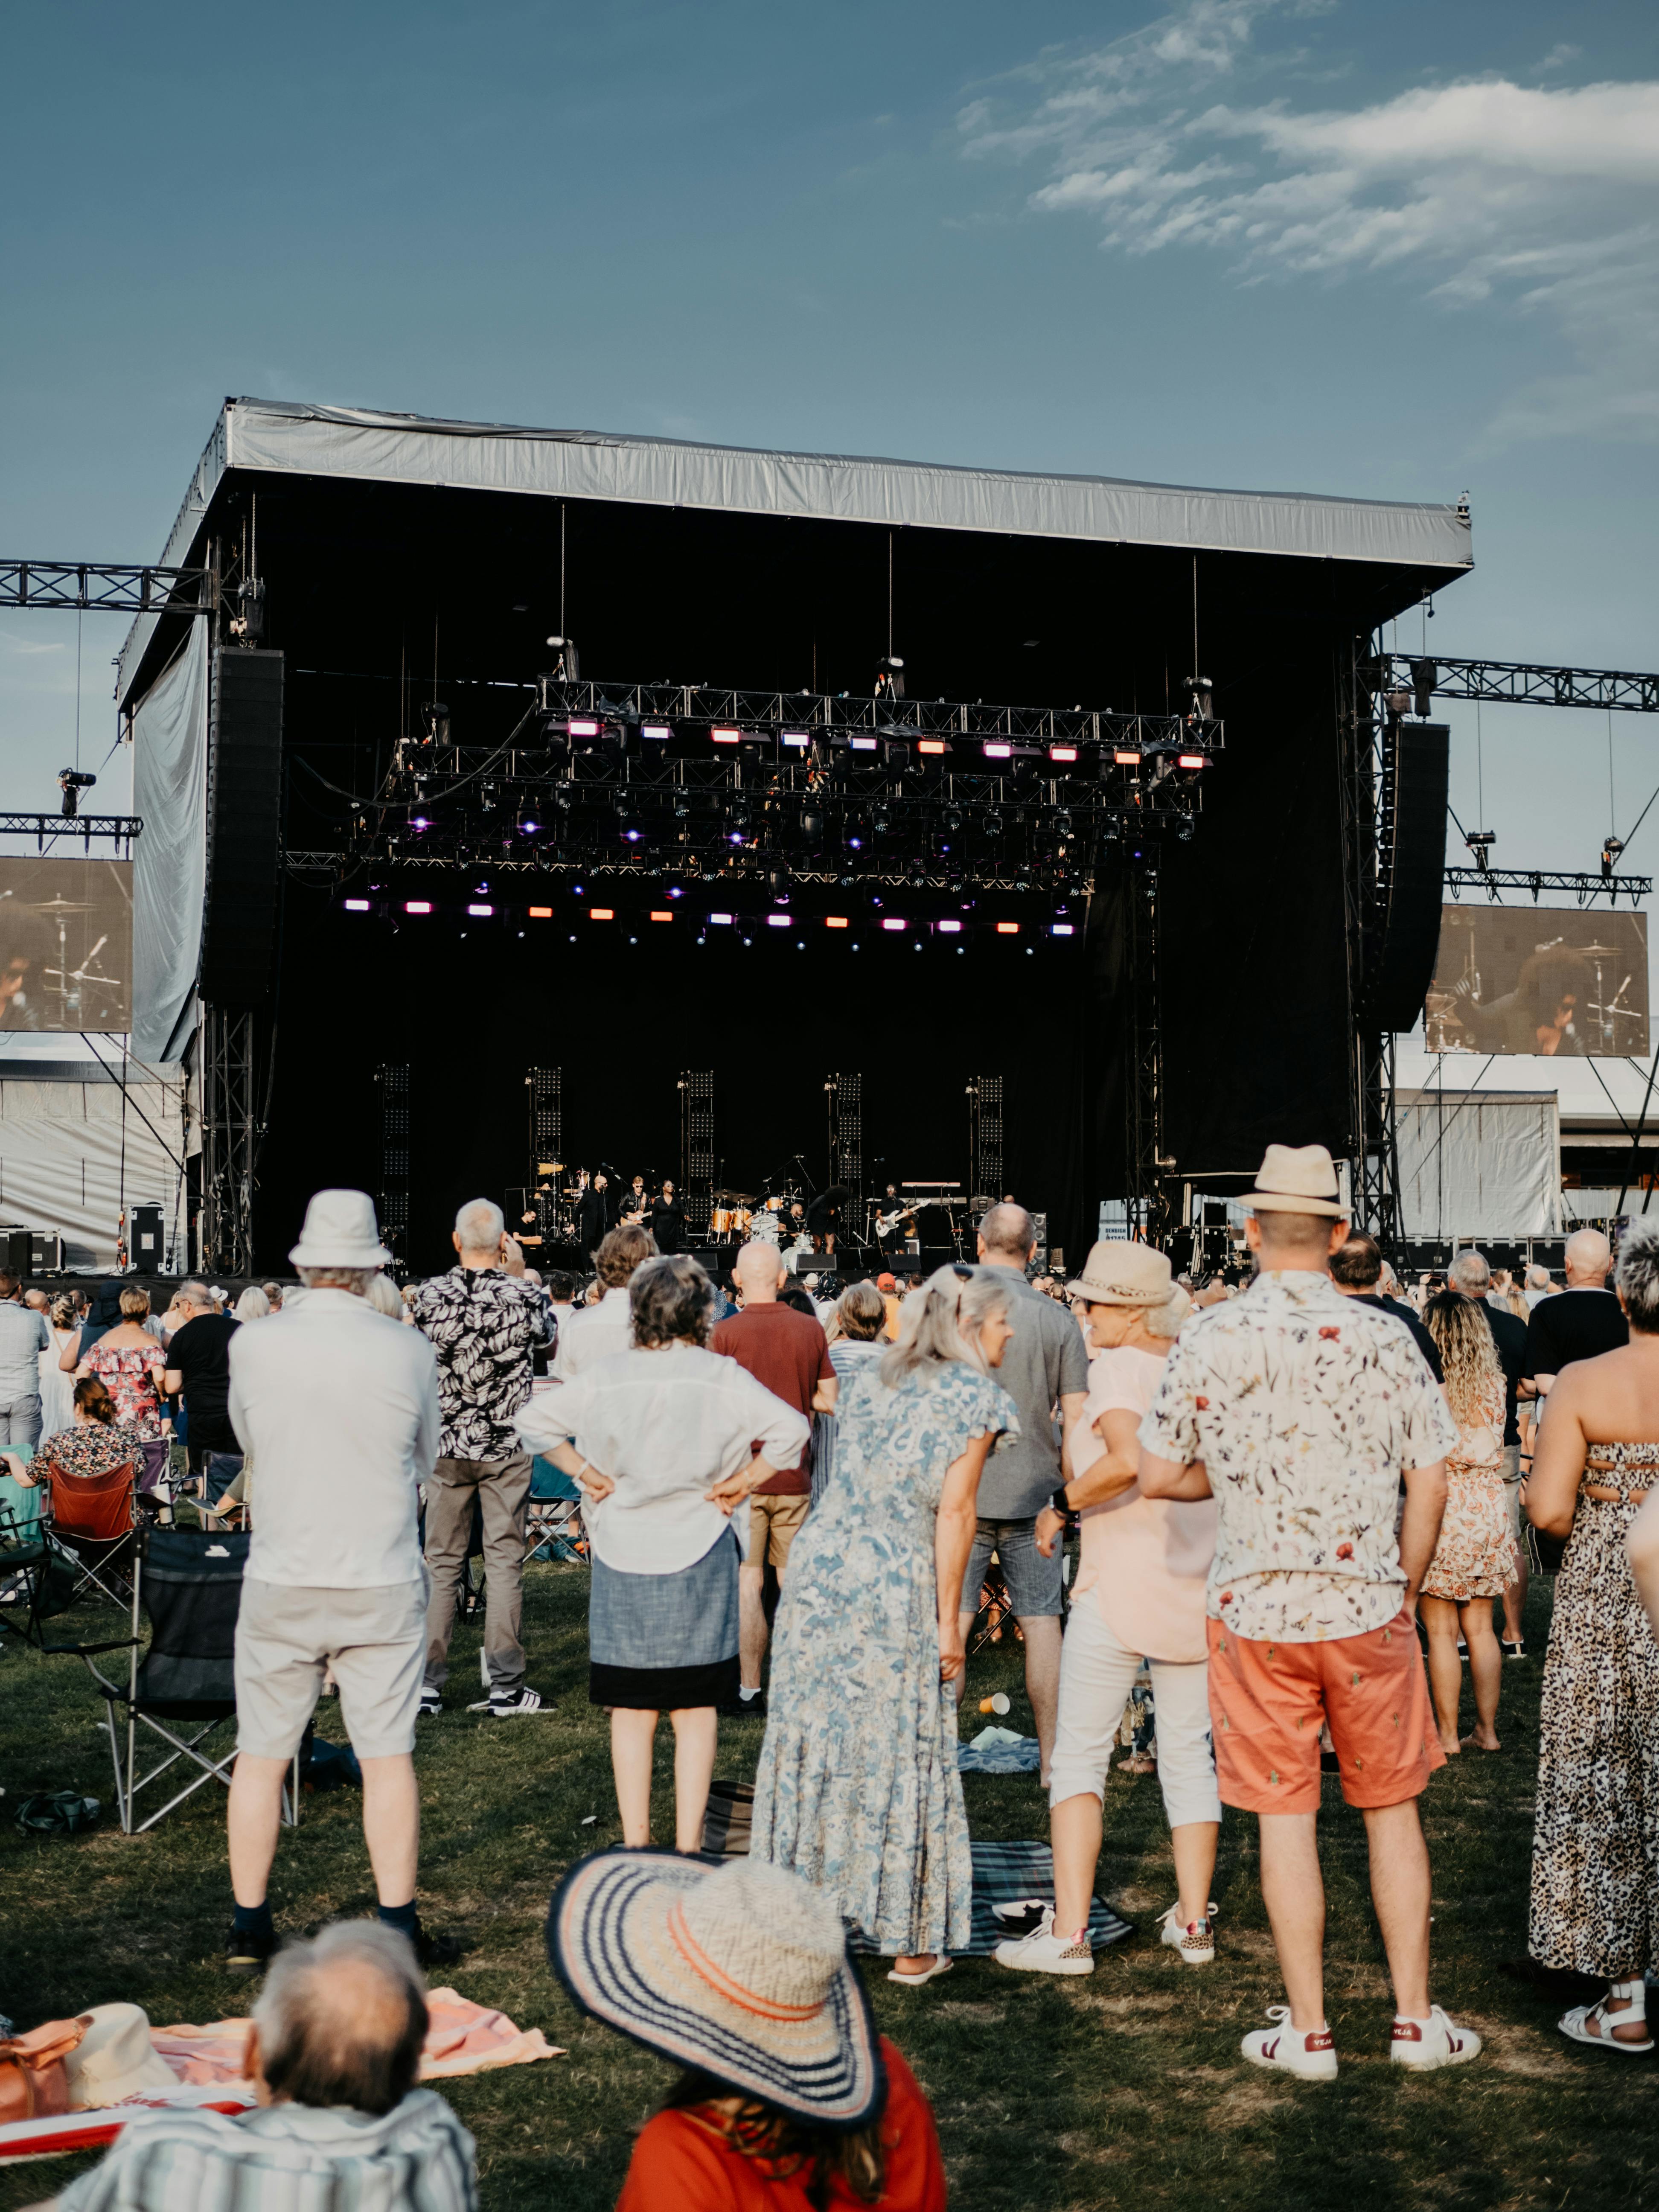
[789,1352]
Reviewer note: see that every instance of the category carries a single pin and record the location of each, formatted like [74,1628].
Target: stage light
[811,822]
[660,913]
[835,921]
[419,822]
[1612,848]
[951,928]
[1061,929]
[674,891]
[659,733]
[952,819]
[895,751]
[1203,698]
[726,737]
[864,744]
[1191,760]
[890,678]
[541,914]
[892,921]
[633,836]
[417,906]
[779,921]
[356,906]
[993,821]
[856,844]
[1007,929]
[995,750]
[1126,759]
[1063,753]
[482,913]
[435,720]
[569,670]
[1062,824]
[931,745]
[798,740]
[72,781]
[582,726]
[725,919]
[601,914]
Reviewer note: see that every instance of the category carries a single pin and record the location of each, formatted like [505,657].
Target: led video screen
[66,945]
[1562,981]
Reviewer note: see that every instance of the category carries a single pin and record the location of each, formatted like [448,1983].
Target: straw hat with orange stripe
[740,1970]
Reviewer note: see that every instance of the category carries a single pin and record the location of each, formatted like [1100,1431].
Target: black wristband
[1057,1503]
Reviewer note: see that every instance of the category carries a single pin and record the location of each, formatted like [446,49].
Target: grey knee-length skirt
[663,1643]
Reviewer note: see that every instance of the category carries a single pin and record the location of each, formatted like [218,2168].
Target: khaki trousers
[501,1487]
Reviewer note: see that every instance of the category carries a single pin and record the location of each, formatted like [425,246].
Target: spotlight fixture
[72,781]
[890,678]
[568,667]
[1481,842]
[812,823]
[435,720]
[1203,698]
[1612,848]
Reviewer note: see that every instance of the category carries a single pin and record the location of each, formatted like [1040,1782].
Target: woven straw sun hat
[1297,1179]
[1117,1274]
[741,1971]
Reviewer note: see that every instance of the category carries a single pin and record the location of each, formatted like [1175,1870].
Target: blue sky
[1403,250]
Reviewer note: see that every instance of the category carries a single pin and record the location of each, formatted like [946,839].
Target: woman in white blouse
[666,1441]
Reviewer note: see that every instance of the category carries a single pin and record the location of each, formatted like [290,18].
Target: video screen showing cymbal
[66,945]
[1563,982]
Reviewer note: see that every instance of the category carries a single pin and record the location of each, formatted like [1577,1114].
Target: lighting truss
[1518,683]
[47,828]
[1584,889]
[108,587]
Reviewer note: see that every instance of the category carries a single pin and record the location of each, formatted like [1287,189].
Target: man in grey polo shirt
[23,1337]
[1045,1371]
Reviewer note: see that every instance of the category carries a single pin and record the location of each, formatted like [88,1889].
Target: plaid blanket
[1004,1873]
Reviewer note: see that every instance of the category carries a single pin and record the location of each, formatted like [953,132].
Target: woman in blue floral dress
[858,1788]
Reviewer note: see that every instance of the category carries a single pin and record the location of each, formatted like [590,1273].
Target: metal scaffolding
[228,1041]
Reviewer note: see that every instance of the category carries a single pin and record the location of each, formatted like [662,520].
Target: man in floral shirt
[484,1321]
[1301,1413]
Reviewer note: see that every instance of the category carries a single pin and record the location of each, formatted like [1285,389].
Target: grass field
[1125,2089]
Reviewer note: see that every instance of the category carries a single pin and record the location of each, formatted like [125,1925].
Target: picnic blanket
[1010,1874]
[999,1751]
[463,2038]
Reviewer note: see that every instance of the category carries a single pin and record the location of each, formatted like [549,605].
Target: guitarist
[899,1219]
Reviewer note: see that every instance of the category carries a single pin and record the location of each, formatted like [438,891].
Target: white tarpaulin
[74,1155]
[294,438]
[169,796]
[1479,1163]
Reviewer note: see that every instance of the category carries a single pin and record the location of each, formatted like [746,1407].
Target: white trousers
[1096,1674]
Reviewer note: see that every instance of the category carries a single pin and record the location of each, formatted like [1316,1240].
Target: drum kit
[744,1217]
[82,997]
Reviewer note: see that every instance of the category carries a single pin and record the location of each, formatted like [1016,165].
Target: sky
[1403,252]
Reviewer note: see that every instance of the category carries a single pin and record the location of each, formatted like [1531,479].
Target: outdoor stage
[301,804]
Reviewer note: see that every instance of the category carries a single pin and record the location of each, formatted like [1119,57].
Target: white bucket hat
[1297,1179]
[1121,1274]
[115,2058]
[340,1231]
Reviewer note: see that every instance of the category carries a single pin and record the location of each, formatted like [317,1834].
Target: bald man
[789,1352]
[1585,1321]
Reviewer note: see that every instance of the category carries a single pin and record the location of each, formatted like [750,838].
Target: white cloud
[1541,202]
[1559,56]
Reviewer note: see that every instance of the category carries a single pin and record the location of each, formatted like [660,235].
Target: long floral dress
[1474,1553]
[858,1788]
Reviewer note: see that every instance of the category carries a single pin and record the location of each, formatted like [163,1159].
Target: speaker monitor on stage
[149,1239]
[15,1249]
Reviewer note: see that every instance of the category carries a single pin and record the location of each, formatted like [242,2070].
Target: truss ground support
[391,1080]
[843,1098]
[696,1089]
[228,1041]
[1148,1198]
[985,1132]
[1366,801]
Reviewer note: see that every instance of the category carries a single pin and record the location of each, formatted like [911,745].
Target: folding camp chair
[91,1517]
[553,1519]
[189,1581]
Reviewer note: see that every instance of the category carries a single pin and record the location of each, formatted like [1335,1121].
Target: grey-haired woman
[1596,1836]
[667,1441]
[857,1788]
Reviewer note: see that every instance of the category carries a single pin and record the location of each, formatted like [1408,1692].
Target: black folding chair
[189,1581]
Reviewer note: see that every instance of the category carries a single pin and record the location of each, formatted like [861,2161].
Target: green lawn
[1125,2089]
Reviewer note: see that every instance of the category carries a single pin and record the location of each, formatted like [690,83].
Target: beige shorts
[373,1641]
[775,1522]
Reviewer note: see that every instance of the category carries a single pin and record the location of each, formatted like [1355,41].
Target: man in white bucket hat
[1301,1412]
[339,1407]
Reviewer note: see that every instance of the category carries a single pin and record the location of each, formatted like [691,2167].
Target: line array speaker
[244,827]
[1411,866]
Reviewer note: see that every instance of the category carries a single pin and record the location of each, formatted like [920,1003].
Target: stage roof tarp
[292,438]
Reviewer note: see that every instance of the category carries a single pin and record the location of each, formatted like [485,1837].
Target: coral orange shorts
[1267,1702]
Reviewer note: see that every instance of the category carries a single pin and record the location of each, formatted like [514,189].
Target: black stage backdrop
[472,1014]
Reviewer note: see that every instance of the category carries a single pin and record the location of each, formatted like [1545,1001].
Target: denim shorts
[1034,1583]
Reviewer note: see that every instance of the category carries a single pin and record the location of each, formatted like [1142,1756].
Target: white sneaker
[1043,1952]
[1435,2041]
[525,1700]
[1195,1940]
[1312,2055]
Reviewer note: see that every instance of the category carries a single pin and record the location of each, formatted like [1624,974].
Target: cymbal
[60,906]
[1595,951]
[733,1197]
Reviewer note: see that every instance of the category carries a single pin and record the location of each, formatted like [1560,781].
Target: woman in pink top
[1140,1595]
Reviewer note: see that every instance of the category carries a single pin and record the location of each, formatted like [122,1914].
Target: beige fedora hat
[1124,1275]
[1297,1179]
[340,1231]
[115,2058]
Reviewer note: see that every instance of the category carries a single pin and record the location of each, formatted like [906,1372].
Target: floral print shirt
[483,1325]
[1306,1408]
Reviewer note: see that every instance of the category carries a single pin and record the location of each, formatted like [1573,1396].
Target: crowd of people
[1299,1504]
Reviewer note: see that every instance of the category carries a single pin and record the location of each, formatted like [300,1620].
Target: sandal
[1575,2024]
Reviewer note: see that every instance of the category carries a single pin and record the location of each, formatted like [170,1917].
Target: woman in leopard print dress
[1595,1841]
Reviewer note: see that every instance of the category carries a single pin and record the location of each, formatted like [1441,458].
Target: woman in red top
[790,2101]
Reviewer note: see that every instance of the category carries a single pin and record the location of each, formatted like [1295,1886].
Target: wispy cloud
[1539,201]
[28,644]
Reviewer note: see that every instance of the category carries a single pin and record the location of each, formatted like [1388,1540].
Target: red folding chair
[91,1518]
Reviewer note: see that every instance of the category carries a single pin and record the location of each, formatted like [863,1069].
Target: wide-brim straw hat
[1297,1179]
[115,2058]
[1119,1275]
[340,1231]
[741,1971]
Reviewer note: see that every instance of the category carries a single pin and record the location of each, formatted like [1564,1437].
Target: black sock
[252,1920]
[405,1918]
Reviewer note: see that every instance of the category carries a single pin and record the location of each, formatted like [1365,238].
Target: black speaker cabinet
[245,828]
[149,1239]
[1411,871]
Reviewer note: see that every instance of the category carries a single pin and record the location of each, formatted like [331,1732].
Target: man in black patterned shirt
[484,1321]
